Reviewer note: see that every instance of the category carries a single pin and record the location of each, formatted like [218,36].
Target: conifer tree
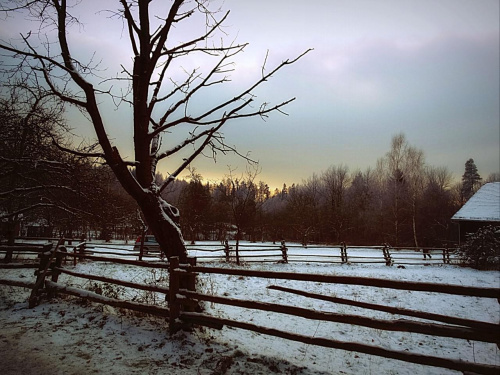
[471,180]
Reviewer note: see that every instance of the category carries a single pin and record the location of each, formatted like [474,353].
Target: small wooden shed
[482,209]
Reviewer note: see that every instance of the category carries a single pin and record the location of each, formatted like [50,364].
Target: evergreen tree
[482,249]
[470,180]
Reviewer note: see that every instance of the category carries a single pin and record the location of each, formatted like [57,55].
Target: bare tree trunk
[414,224]
[163,221]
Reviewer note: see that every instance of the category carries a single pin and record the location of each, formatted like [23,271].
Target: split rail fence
[253,253]
[184,310]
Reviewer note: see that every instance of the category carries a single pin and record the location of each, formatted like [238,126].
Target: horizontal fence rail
[349,280]
[94,297]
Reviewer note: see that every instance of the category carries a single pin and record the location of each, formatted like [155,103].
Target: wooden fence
[462,328]
[255,253]
[339,254]
[184,304]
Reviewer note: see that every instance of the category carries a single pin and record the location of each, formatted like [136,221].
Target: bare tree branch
[34,189]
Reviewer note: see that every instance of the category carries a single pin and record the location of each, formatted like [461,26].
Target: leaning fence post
[284,251]
[173,289]
[45,262]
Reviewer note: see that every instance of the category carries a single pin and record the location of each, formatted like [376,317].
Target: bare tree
[415,173]
[243,194]
[438,205]
[404,166]
[304,206]
[33,173]
[160,102]
[336,180]
[493,177]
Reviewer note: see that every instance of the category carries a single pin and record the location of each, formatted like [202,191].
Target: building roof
[482,206]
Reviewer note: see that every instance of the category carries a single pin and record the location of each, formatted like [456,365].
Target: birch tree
[160,100]
[405,170]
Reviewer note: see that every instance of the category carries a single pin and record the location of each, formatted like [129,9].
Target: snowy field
[70,336]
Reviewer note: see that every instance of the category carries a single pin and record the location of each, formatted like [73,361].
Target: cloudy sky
[426,68]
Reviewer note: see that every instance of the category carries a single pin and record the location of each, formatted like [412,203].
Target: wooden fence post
[387,255]
[81,250]
[55,271]
[284,251]
[74,255]
[191,276]
[238,249]
[343,252]
[227,249]
[59,258]
[45,262]
[173,290]
[446,255]
[141,248]
[189,281]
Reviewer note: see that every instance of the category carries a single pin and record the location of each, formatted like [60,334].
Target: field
[68,335]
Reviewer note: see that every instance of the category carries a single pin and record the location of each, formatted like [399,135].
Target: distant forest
[46,191]
[402,201]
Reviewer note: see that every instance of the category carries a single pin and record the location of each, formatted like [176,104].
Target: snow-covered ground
[69,336]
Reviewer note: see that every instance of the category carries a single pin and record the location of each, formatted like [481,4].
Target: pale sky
[427,68]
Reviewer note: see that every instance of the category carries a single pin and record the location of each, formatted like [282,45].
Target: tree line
[47,191]
[402,201]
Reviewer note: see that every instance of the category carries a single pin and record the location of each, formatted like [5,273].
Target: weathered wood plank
[18,265]
[22,284]
[351,280]
[109,280]
[94,297]
[120,261]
